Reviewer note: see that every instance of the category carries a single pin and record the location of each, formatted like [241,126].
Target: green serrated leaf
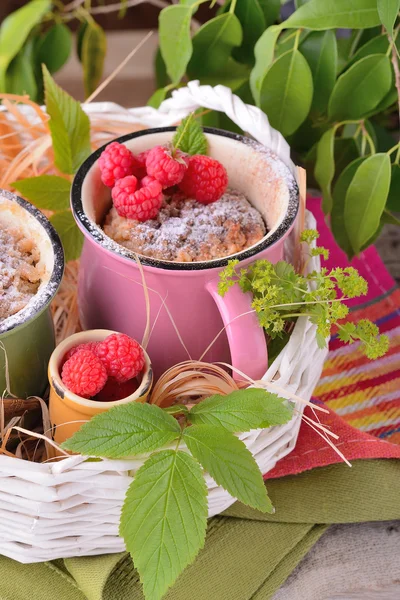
[94,47]
[388,11]
[213,44]
[190,137]
[264,55]
[242,411]
[175,41]
[71,237]
[15,29]
[286,92]
[251,17]
[325,167]
[164,519]
[333,14]
[337,215]
[125,430]
[319,48]
[55,47]
[69,126]
[47,192]
[393,201]
[366,198]
[360,89]
[229,463]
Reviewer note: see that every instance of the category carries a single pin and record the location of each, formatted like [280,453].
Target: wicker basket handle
[220,98]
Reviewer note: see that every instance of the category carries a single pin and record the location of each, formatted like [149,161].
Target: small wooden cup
[68,411]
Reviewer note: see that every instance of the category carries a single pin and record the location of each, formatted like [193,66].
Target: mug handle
[246,337]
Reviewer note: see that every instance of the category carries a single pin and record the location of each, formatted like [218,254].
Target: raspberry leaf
[164,519]
[125,430]
[48,192]
[71,237]
[69,126]
[229,463]
[242,410]
[190,137]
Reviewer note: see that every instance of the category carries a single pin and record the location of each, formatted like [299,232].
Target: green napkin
[246,555]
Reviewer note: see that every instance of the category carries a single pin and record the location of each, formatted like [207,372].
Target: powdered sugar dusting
[187,231]
[19,274]
[17,214]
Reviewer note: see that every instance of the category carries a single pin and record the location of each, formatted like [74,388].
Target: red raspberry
[205,179]
[140,171]
[115,162]
[168,169]
[122,356]
[88,346]
[84,374]
[137,202]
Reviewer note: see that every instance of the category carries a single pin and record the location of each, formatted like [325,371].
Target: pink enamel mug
[188,317]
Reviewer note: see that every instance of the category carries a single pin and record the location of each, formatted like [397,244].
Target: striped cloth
[364,395]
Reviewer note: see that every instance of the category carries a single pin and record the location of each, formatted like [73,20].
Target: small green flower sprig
[280,295]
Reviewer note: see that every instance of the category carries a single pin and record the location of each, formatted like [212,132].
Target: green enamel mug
[27,338]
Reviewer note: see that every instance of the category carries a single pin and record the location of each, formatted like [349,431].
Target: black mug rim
[57,272]
[100,237]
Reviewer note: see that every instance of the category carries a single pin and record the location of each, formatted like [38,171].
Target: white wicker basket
[72,507]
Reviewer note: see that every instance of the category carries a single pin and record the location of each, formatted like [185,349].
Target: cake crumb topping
[19,275]
[187,231]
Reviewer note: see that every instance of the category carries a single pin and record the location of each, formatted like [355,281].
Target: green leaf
[388,11]
[175,41]
[264,54]
[366,198]
[71,237]
[213,44]
[54,47]
[15,29]
[69,126]
[164,519]
[229,463]
[94,46]
[387,217]
[241,411]
[320,50]
[332,14]
[47,192]
[158,97]
[393,201]
[286,92]
[337,215]
[234,76]
[79,38]
[20,76]
[378,45]
[125,430]
[361,88]
[345,151]
[271,10]
[325,167]
[162,78]
[251,17]
[190,137]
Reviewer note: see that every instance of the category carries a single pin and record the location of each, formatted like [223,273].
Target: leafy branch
[164,516]
[280,296]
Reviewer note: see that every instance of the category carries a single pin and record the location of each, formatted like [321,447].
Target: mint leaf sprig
[280,296]
[190,137]
[164,516]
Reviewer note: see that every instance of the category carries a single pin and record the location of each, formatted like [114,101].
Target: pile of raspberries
[87,367]
[138,181]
